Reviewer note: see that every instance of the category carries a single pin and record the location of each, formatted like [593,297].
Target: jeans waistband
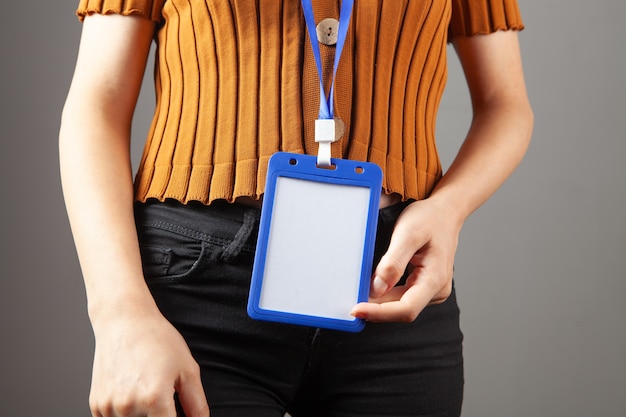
[230,221]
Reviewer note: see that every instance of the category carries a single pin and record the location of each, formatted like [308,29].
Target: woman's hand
[140,362]
[424,241]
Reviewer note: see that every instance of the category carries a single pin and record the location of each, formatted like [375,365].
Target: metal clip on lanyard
[325,123]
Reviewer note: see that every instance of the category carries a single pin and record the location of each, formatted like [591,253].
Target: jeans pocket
[168,256]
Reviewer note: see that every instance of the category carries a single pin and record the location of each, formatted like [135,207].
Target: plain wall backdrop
[541,268]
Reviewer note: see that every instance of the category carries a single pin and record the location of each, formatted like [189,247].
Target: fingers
[393,264]
[400,304]
[150,403]
[192,397]
[155,401]
[405,309]
[404,303]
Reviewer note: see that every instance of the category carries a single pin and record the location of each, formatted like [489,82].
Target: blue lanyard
[327,104]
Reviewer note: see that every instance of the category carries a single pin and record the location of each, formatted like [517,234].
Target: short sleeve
[150,9]
[479,17]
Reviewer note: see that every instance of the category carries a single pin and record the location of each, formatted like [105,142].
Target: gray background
[541,267]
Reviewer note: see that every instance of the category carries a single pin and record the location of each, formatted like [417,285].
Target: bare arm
[140,359]
[426,233]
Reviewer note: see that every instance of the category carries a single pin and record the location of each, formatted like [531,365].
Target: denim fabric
[198,263]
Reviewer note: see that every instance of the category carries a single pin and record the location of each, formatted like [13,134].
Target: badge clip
[325,135]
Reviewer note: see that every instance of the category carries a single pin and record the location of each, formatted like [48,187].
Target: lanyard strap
[325,125]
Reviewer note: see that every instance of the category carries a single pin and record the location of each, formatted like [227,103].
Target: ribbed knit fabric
[236,82]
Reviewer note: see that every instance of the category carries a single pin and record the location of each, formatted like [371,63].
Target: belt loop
[232,250]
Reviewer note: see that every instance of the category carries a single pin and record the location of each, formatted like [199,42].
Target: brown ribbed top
[236,82]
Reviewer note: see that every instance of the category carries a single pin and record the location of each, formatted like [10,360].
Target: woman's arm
[426,234]
[140,359]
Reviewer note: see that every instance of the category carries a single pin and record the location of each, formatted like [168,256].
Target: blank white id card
[316,242]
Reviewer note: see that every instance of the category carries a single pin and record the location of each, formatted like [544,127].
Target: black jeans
[198,262]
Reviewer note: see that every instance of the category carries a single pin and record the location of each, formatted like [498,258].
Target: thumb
[192,398]
[393,264]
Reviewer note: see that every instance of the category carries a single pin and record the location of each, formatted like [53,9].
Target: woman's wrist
[450,205]
[128,303]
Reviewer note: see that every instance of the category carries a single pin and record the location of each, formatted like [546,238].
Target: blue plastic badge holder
[313,261]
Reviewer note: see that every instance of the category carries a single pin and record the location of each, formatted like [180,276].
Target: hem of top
[487,31]
[258,196]
[81,14]
[206,202]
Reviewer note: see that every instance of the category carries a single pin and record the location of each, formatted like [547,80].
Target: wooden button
[340,128]
[327,31]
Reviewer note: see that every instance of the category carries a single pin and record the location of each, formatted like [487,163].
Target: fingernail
[379,287]
[358,315]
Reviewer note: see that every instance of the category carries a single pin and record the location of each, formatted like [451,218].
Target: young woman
[166,257]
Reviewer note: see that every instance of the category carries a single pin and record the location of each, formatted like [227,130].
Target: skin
[140,358]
